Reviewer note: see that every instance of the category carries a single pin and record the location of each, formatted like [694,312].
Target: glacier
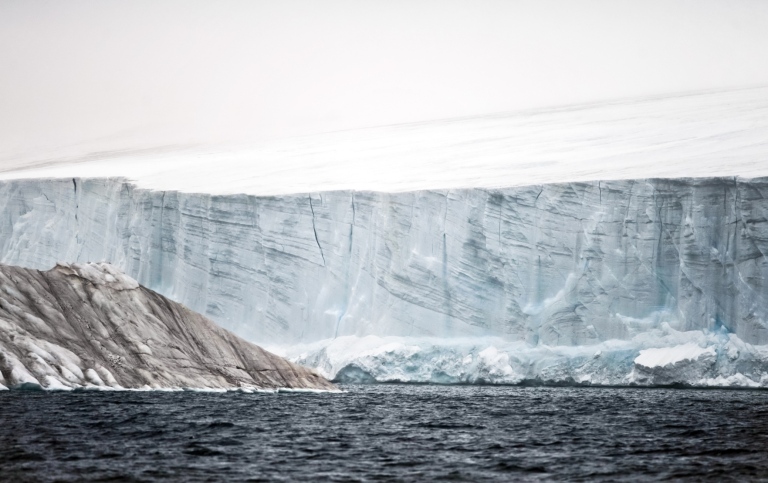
[553,271]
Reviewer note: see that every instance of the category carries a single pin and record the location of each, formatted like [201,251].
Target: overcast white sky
[83,75]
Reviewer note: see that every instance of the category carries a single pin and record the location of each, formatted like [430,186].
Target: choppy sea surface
[386,432]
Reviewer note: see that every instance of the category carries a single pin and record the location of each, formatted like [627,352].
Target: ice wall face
[557,264]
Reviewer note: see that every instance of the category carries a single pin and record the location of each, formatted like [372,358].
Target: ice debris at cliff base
[661,356]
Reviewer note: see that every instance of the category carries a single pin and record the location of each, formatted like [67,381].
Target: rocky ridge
[91,326]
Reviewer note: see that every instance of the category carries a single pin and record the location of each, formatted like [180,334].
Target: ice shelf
[563,228]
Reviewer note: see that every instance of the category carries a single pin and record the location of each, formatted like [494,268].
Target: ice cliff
[89,325]
[557,264]
[561,265]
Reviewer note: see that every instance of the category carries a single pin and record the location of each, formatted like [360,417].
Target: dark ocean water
[386,432]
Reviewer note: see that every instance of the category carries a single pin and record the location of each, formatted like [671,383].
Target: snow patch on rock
[101,273]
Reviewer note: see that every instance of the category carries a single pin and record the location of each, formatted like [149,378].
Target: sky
[82,76]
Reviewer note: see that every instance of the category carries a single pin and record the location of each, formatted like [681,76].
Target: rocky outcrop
[89,325]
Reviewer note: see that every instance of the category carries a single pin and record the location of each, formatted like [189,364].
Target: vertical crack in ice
[501,202]
[746,234]
[314,230]
[659,250]
[352,226]
[446,287]
[77,208]
[77,205]
[445,274]
[725,217]
[747,224]
[629,204]
[155,274]
[600,189]
[661,232]
[347,286]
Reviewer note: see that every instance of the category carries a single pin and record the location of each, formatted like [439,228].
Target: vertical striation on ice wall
[559,264]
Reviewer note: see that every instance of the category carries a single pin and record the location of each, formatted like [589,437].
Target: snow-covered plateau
[626,245]
[89,326]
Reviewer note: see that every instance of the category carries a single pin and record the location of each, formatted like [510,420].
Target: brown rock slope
[86,325]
